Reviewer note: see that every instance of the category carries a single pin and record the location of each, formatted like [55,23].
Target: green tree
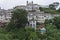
[41,9]
[51,6]
[56,22]
[48,21]
[54,5]
[18,20]
[52,32]
[58,10]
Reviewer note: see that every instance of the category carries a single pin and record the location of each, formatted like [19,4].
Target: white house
[32,21]
[5,15]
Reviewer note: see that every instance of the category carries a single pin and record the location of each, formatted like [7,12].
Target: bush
[52,32]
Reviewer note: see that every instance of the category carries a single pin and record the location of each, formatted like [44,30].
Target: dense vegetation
[52,33]
[51,9]
[48,10]
[16,29]
[53,28]
[18,20]
[55,21]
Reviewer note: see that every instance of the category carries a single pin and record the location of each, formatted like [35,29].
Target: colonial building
[41,16]
[37,15]
[33,16]
[32,20]
[29,6]
[5,16]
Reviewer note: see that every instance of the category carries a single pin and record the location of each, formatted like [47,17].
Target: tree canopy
[54,5]
[56,22]
[18,20]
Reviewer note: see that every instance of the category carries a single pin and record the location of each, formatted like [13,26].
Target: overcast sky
[7,4]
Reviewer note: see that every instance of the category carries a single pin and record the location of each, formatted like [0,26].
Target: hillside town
[36,14]
[29,20]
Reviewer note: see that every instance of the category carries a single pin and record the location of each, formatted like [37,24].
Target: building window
[1,18]
[31,25]
[33,21]
[44,16]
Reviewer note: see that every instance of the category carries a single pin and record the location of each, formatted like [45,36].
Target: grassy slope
[46,10]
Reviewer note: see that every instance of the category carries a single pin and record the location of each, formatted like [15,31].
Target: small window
[30,24]
[44,16]
[33,21]
[34,25]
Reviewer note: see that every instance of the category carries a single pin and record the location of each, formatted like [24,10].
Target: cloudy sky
[7,4]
